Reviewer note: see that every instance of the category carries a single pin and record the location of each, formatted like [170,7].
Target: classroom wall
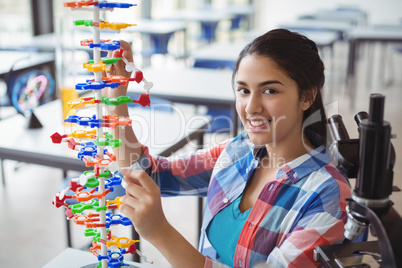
[273,12]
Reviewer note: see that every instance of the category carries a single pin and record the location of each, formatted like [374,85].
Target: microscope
[370,159]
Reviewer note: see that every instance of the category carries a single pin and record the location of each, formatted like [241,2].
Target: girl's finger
[112,70]
[132,175]
[127,210]
[130,201]
[147,182]
[127,52]
[135,191]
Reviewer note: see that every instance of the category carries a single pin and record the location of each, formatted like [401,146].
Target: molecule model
[86,200]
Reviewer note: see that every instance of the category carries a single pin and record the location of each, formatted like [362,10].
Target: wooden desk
[35,146]
[196,86]
[77,258]
[360,36]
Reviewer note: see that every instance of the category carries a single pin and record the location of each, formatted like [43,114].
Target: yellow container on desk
[67,94]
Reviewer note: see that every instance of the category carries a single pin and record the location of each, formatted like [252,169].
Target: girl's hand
[142,204]
[119,69]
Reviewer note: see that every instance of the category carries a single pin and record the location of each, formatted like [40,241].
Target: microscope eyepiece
[337,127]
[360,117]
[376,112]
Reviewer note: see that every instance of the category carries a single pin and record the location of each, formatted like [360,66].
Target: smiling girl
[256,211]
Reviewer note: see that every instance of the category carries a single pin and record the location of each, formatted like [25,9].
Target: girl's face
[268,103]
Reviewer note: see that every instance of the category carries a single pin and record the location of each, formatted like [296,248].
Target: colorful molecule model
[93,142]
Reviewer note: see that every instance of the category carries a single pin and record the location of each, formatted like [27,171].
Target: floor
[32,231]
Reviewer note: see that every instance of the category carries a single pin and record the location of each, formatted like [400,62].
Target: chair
[159,44]
[221,122]
[214,64]
[236,21]
[155,44]
[208,30]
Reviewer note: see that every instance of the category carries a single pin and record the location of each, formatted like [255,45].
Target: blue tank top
[224,230]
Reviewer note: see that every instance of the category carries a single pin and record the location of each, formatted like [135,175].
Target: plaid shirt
[304,207]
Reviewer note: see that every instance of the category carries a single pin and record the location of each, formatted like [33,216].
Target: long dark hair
[297,56]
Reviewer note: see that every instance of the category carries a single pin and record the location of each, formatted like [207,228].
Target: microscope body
[369,159]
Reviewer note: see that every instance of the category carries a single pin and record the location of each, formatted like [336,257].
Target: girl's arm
[185,174]
[131,149]
[297,249]
[321,223]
